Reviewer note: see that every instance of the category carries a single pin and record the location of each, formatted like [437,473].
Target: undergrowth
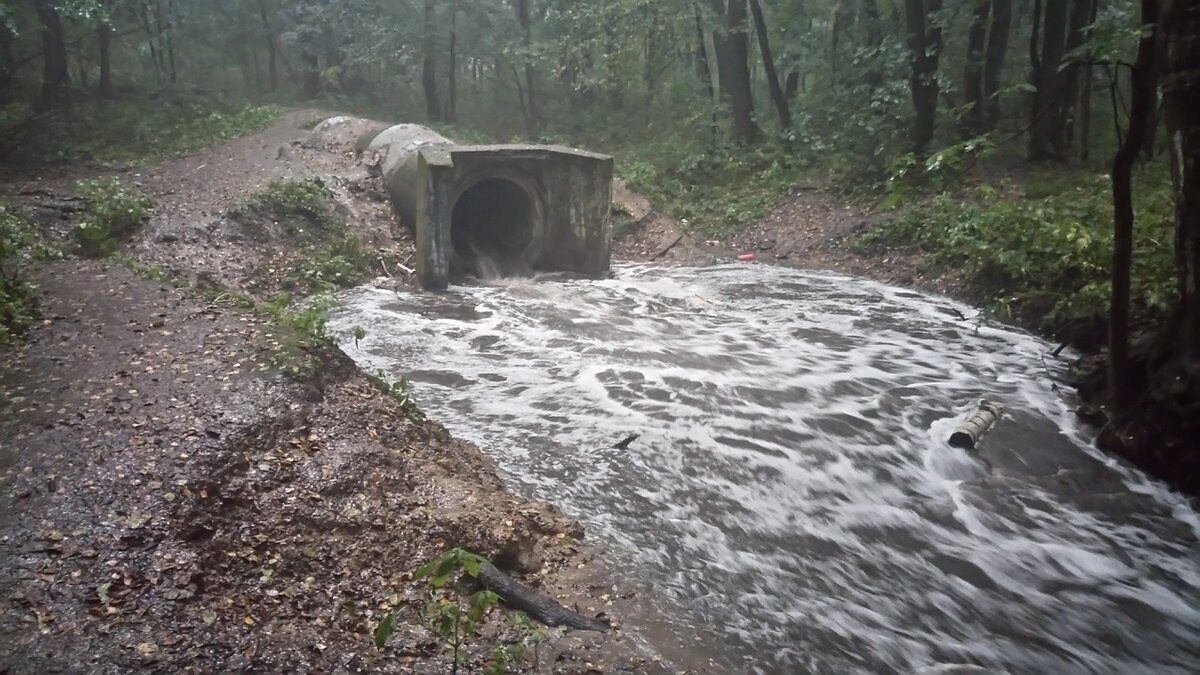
[1045,255]
[18,297]
[112,211]
[132,130]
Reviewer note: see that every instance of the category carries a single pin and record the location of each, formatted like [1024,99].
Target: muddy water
[791,497]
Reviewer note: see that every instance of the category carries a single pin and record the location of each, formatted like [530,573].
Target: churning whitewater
[792,498]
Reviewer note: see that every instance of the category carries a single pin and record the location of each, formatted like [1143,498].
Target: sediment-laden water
[791,497]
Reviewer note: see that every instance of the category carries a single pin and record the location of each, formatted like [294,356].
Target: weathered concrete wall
[497,209]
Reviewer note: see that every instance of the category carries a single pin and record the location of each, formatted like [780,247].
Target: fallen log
[970,431]
[538,606]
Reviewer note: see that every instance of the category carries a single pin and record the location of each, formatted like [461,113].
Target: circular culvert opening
[491,227]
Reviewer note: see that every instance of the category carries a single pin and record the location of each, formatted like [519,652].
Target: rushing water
[792,495]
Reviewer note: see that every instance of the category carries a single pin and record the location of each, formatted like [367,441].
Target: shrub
[298,204]
[112,212]
[18,298]
[1046,256]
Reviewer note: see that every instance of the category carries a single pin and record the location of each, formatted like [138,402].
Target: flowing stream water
[792,497]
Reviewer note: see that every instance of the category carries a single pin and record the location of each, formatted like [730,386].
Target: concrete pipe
[497,210]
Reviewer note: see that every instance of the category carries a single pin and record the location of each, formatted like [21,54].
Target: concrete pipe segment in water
[497,210]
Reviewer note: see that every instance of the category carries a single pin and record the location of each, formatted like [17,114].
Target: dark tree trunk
[272,49]
[1081,12]
[1085,100]
[533,117]
[973,121]
[993,63]
[171,41]
[55,74]
[433,105]
[705,68]
[924,45]
[764,44]
[1181,92]
[1121,391]
[311,63]
[1046,140]
[733,68]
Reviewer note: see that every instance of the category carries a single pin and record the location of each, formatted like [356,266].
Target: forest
[203,464]
[939,112]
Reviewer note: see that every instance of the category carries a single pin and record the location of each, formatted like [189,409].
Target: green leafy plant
[18,297]
[399,389]
[302,206]
[1047,257]
[112,212]
[456,621]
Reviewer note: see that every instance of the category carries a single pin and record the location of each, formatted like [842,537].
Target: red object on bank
[746,257]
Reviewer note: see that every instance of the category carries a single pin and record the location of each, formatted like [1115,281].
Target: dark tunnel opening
[491,226]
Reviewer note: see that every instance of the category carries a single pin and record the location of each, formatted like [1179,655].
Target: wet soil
[186,485]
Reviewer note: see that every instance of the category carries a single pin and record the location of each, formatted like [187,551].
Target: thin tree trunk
[924,44]
[104,46]
[1181,91]
[777,94]
[269,36]
[452,82]
[151,42]
[1085,99]
[993,63]
[171,41]
[533,118]
[1142,84]
[433,105]
[705,68]
[55,73]
[1046,139]
[973,121]
[1081,11]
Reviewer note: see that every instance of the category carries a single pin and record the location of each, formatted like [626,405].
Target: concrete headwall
[497,210]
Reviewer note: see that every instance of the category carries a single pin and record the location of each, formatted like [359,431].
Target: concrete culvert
[491,229]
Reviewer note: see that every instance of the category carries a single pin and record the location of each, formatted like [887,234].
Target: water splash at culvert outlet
[792,495]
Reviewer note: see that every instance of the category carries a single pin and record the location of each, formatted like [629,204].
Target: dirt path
[185,486]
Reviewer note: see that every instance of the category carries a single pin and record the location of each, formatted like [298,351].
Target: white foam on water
[792,490]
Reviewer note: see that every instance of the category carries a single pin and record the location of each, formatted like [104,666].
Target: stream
[791,498]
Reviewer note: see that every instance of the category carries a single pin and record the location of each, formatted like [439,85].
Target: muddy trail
[188,484]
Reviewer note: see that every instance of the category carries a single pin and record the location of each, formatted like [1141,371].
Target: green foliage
[311,318]
[341,263]
[112,212]
[940,171]
[301,205]
[456,622]
[400,389]
[718,192]
[18,297]
[1046,256]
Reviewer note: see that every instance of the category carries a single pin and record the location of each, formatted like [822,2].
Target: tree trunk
[55,75]
[104,46]
[433,105]
[733,68]
[452,82]
[1085,100]
[973,121]
[777,94]
[1046,140]
[272,49]
[993,63]
[151,42]
[1121,392]
[311,62]
[704,67]
[171,41]
[533,118]
[1081,12]
[1181,92]
[924,44]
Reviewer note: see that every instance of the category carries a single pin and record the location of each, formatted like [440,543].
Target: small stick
[624,443]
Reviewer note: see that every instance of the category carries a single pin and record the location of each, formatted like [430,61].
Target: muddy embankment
[187,484]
